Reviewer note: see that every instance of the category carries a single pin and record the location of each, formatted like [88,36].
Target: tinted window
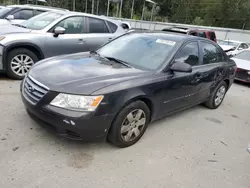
[112,26]
[201,34]
[72,25]
[212,36]
[23,14]
[97,26]
[139,50]
[211,54]
[189,54]
[36,12]
[244,46]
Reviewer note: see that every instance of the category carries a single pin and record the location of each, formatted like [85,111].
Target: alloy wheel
[21,64]
[220,95]
[133,125]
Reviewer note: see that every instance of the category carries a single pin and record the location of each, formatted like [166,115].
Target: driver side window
[189,54]
[72,25]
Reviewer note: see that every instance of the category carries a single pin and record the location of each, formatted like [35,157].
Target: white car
[242,61]
[232,47]
[16,14]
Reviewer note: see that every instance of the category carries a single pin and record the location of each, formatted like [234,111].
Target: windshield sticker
[167,42]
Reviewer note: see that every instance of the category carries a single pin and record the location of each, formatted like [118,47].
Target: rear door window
[212,36]
[211,53]
[97,26]
[112,26]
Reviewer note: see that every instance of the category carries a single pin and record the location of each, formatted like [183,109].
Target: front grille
[33,90]
[242,74]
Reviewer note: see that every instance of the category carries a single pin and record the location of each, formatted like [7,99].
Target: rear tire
[19,62]
[217,97]
[129,125]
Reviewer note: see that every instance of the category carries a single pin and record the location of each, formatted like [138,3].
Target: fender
[128,96]
[17,45]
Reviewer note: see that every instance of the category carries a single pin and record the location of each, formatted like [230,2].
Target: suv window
[36,12]
[72,25]
[212,36]
[211,53]
[97,26]
[189,54]
[24,14]
[112,26]
[244,46]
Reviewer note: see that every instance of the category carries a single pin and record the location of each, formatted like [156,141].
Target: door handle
[198,77]
[81,41]
[109,39]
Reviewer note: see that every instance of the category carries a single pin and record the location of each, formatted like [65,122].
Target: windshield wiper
[19,25]
[118,61]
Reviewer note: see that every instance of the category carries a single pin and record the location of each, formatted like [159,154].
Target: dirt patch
[80,160]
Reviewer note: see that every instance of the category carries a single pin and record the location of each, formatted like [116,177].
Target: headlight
[248,72]
[77,102]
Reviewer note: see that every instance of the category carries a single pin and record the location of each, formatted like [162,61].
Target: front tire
[130,124]
[217,97]
[19,62]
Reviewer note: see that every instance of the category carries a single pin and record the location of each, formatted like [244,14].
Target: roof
[71,13]
[177,37]
[38,7]
[232,41]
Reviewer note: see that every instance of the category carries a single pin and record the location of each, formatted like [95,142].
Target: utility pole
[97,7]
[93,6]
[132,9]
[121,8]
[74,5]
[86,6]
[108,8]
[117,10]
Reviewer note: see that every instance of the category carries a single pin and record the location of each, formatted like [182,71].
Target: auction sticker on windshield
[167,42]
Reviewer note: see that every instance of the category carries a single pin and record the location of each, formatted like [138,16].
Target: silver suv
[51,34]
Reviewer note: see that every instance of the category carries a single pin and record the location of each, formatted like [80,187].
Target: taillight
[235,69]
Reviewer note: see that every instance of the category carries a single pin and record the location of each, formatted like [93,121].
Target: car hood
[227,47]
[81,73]
[242,64]
[8,29]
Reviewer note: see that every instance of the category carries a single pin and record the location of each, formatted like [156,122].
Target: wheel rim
[220,95]
[133,125]
[21,64]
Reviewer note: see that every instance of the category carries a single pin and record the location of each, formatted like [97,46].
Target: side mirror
[240,48]
[59,31]
[10,17]
[181,67]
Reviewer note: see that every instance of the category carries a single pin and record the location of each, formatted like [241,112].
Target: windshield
[41,21]
[230,43]
[141,51]
[5,10]
[245,55]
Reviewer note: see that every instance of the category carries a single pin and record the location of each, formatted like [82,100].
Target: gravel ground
[195,148]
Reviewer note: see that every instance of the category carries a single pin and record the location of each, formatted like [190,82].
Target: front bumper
[74,125]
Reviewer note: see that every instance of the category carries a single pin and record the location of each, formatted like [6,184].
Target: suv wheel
[19,62]
[130,124]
